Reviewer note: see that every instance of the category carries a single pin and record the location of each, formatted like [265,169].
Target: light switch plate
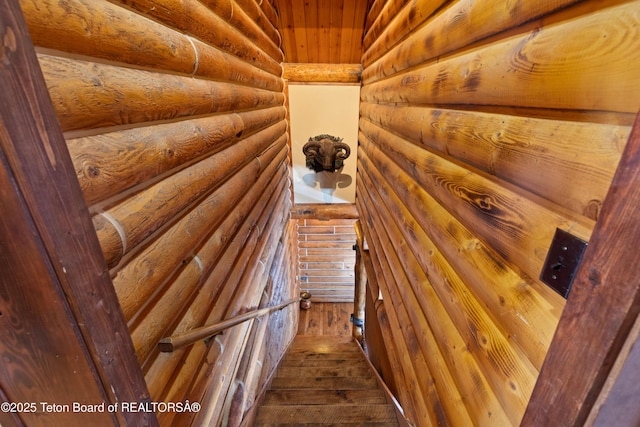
[562,261]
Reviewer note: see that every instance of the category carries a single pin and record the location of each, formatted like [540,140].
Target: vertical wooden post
[54,284]
[360,288]
[601,310]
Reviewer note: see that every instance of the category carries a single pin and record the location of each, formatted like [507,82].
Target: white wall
[323,109]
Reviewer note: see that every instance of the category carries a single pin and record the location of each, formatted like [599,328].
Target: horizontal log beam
[97,29]
[220,253]
[459,25]
[388,11]
[89,95]
[260,17]
[523,72]
[322,73]
[63,338]
[193,381]
[181,289]
[238,19]
[450,306]
[193,17]
[515,147]
[138,280]
[103,162]
[427,313]
[324,211]
[403,23]
[419,396]
[121,228]
[601,311]
[499,287]
[517,227]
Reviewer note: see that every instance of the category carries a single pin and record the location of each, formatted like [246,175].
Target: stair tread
[324,414]
[327,356]
[324,397]
[326,371]
[323,338]
[324,383]
[323,344]
[321,362]
[325,380]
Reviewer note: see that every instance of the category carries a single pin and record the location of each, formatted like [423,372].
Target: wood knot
[9,44]
[92,171]
[593,208]
[594,276]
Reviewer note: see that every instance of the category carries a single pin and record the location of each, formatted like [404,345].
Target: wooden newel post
[360,286]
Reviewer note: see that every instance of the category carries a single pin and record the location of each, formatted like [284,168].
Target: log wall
[326,259]
[173,115]
[484,126]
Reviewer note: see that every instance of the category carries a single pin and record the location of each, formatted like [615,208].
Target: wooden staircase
[325,380]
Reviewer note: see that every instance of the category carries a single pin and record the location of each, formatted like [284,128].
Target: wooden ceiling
[322,31]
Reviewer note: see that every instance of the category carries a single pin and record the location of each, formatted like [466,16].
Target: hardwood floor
[325,318]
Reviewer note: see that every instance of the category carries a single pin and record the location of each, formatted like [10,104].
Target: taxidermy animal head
[325,153]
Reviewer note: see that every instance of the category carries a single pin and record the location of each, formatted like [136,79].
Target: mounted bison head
[325,152]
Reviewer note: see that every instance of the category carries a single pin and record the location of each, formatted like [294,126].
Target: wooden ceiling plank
[299,30]
[311,11]
[324,28]
[348,22]
[335,33]
[360,17]
[288,32]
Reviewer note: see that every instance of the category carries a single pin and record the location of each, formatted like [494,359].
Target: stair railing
[175,342]
[391,399]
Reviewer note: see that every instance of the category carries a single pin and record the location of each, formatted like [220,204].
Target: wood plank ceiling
[322,31]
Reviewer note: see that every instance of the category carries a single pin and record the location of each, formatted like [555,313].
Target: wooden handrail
[169,344]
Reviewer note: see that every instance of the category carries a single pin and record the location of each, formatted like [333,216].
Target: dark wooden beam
[601,310]
[60,319]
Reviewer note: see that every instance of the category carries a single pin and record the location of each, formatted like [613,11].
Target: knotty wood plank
[43,186]
[603,305]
